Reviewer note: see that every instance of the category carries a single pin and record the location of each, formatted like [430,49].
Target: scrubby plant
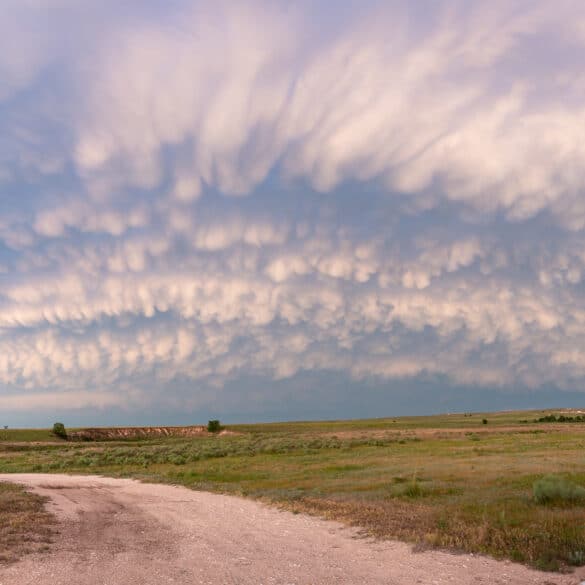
[59,430]
[553,489]
[177,459]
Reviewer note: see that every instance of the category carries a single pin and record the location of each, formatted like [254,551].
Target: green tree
[59,430]
[213,426]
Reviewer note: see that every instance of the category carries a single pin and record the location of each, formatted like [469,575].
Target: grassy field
[27,435]
[451,481]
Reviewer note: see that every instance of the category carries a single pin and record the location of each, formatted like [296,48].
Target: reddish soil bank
[105,434]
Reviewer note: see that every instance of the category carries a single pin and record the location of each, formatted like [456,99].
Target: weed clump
[553,489]
[407,488]
[414,489]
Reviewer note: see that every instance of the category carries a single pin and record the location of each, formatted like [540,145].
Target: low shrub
[553,489]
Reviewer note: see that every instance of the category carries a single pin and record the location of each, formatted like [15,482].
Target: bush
[557,490]
[59,430]
[484,421]
[213,426]
[413,490]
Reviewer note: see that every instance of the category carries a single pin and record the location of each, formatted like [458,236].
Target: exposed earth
[103,434]
[115,531]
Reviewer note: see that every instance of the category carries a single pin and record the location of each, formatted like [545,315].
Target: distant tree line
[551,418]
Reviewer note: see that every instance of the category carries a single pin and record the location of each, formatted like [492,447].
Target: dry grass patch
[554,541]
[399,520]
[25,525]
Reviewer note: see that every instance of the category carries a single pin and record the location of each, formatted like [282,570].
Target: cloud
[216,191]
[454,106]
[226,314]
[59,400]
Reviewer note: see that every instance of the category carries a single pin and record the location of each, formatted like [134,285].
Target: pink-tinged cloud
[217,191]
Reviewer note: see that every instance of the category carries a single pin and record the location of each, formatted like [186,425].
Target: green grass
[447,481]
[27,435]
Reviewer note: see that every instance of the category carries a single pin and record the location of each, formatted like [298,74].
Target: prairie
[460,482]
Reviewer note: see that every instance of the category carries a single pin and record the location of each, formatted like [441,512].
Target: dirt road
[118,531]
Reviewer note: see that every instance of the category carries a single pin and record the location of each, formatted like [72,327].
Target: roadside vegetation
[25,526]
[506,488]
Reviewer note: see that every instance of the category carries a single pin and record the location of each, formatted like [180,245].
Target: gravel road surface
[123,532]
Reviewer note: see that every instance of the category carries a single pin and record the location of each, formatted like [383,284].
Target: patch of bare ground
[25,526]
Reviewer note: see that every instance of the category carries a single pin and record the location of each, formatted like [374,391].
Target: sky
[274,210]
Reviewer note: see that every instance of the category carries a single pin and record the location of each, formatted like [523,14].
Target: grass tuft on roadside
[25,526]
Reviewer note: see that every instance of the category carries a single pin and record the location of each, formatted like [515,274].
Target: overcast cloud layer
[196,195]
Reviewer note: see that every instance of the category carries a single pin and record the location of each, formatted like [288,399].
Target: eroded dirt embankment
[109,434]
[116,531]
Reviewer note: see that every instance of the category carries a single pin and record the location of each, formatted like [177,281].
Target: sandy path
[118,531]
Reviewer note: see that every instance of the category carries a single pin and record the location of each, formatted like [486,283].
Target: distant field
[18,435]
[450,481]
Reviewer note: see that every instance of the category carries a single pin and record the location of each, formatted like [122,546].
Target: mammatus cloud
[219,190]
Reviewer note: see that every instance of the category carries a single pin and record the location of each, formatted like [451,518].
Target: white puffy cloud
[219,318]
[409,183]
